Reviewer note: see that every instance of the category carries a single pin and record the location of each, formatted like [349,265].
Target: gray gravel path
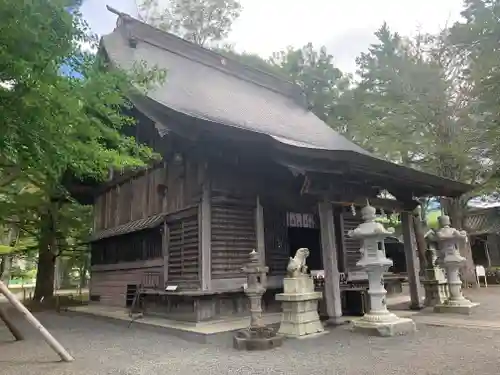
[105,348]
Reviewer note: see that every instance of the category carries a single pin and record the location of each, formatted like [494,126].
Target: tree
[53,124]
[476,39]
[313,70]
[253,60]
[203,22]
[415,106]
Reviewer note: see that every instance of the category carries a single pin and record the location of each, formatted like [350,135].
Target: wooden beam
[386,204]
[410,247]
[330,262]
[340,214]
[205,238]
[259,231]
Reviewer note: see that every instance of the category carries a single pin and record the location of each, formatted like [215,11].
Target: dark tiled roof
[483,221]
[208,86]
[203,84]
[133,226]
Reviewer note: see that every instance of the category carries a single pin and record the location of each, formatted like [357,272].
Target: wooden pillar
[165,243]
[330,263]
[411,261]
[259,231]
[165,229]
[205,223]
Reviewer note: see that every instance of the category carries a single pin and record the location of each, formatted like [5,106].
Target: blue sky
[345,26]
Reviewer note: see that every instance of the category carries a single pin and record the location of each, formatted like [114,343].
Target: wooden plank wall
[141,196]
[111,285]
[233,236]
[351,246]
[133,199]
[276,239]
[183,251]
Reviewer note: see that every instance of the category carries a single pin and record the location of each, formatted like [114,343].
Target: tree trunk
[457,214]
[5,269]
[83,272]
[6,260]
[44,288]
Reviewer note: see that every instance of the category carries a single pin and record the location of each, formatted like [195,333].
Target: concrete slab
[202,332]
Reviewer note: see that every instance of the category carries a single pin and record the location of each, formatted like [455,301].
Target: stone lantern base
[383,325]
[260,338]
[462,306]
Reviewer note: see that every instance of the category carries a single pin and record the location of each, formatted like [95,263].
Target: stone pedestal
[448,239]
[435,284]
[300,307]
[456,302]
[378,321]
[436,292]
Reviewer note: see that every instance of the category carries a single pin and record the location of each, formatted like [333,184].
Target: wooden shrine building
[245,166]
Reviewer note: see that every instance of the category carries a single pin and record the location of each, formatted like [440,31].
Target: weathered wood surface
[330,262]
[111,285]
[276,239]
[351,245]
[233,237]
[164,188]
[184,257]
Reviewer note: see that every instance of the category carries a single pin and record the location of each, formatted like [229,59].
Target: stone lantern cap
[370,228]
[446,231]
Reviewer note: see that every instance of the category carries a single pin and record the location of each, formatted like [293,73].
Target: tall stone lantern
[448,239]
[378,321]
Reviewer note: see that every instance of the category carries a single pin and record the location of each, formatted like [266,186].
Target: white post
[53,343]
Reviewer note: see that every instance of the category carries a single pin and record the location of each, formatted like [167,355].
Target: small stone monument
[378,321]
[448,239]
[435,284]
[299,301]
[257,336]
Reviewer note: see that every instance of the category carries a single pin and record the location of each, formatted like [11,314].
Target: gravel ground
[105,348]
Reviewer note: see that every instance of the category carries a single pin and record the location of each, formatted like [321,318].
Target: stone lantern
[435,284]
[378,321]
[257,336]
[255,288]
[448,239]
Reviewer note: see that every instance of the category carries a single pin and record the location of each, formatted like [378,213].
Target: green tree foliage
[417,104]
[53,124]
[477,38]
[202,22]
[314,71]
[253,60]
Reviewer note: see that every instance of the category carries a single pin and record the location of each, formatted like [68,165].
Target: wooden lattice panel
[183,251]
[233,238]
